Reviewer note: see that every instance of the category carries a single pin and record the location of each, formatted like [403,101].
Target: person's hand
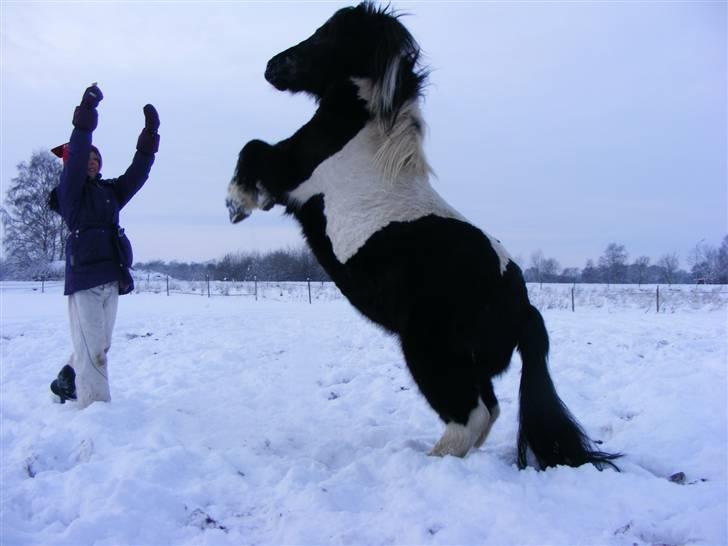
[92,96]
[151,119]
[148,141]
[85,116]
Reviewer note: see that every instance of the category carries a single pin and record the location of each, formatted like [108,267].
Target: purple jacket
[97,251]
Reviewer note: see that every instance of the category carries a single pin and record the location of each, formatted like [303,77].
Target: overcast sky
[560,126]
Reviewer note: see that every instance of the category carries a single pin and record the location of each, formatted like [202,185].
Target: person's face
[93,164]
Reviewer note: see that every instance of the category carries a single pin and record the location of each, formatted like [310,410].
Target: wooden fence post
[168,285]
[572,299]
[658,298]
[255,281]
[308,280]
[208,286]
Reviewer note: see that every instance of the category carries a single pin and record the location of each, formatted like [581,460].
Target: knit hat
[62,152]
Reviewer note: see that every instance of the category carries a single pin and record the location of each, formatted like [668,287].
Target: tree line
[707,265]
[35,237]
[293,264]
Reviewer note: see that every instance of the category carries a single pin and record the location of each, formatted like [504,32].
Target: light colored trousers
[92,314]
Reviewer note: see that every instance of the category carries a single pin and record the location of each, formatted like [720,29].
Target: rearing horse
[356,179]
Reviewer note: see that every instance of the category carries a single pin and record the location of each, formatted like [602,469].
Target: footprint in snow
[35,463]
[200,519]
[134,336]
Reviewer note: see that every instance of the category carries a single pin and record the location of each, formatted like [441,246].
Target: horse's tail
[545,424]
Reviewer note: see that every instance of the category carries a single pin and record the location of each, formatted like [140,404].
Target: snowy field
[236,421]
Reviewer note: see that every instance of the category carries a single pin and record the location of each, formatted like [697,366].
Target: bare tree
[722,262]
[614,263]
[34,234]
[551,268]
[590,273]
[542,268]
[670,263]
[641,265]
[537,263]
[709,264]
[570,274]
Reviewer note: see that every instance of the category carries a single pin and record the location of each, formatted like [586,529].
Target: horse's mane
[393,95]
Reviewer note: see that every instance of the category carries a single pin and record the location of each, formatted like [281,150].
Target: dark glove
[92,97]
[85,116]
[151,119]
[148,141]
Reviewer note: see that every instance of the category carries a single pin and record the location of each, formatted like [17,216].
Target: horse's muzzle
[281,71]
[274,74]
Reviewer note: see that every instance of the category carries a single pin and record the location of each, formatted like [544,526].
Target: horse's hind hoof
[451,446]
[459,439]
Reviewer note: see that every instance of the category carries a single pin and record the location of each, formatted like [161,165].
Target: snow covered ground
[237,421]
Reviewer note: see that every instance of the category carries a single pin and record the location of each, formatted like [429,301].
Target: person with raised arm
[98,253]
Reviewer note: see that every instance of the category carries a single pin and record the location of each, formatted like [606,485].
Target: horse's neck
[400,139]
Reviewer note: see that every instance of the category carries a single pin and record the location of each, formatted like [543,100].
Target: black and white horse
[356,179]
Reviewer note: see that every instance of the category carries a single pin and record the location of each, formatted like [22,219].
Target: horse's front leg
[251,187]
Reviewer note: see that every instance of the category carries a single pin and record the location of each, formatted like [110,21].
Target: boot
[64,386]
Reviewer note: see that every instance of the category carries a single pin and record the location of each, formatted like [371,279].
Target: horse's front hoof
[238,217]
[237,212]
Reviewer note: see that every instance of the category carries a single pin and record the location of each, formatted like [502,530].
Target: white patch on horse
[458,439]
[503,256]
[264,200]
[359,200]
[484,435]
[389,84]
[401,143]
[240,198]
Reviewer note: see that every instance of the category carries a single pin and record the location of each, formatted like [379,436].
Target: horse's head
[364,45]
[362,42]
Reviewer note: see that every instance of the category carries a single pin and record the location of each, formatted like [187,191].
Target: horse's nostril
[279,70]
[272,70]
[269,74]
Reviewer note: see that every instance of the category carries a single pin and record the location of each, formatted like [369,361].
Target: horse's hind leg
[448,382]
[487,395]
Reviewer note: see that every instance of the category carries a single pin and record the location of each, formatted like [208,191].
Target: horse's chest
[358,202]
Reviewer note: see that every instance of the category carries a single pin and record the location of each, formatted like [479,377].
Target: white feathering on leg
[458,439]
[484,435]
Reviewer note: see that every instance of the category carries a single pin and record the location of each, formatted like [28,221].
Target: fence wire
[650,298]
